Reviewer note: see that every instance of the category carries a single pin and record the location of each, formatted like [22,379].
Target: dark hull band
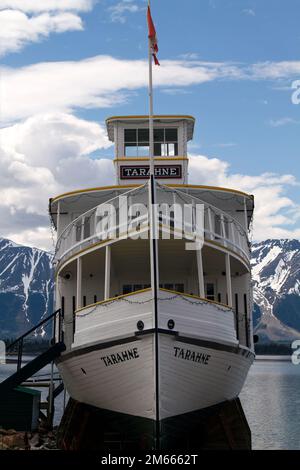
[80,351]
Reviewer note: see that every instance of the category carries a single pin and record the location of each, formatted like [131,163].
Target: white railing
[123,216]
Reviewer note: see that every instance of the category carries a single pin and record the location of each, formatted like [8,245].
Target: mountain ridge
[26,288]
[276,289]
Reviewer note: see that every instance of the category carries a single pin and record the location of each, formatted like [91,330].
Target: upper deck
[75,203]
[227,215]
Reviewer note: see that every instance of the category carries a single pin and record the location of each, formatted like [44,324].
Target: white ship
[151,358]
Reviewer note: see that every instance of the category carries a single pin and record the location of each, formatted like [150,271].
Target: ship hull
[121,377]
[121,365]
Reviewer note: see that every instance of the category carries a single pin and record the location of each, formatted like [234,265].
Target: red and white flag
[152,36]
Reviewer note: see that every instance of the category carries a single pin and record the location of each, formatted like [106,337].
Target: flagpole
[153,245]
[151,131]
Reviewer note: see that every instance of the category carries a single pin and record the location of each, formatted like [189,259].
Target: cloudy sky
[68,64]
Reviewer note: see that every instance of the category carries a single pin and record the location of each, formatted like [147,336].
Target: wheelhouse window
[136,142]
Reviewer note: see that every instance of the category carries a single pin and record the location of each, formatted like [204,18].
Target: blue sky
[68,64]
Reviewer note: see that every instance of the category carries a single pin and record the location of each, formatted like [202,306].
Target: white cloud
[275,70]
[104,81]
[37,6]
[176,91]
[40,158]
[275,213]
[119,10]
[28,21]
[189,56]
[38,237]
[17,29]
[283,122]
[225,145]
[100,81]
[249,12]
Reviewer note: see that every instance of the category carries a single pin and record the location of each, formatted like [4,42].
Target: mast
[153,243]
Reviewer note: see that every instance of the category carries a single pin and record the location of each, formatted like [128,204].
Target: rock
[7,432]
[35,441]
[14,440]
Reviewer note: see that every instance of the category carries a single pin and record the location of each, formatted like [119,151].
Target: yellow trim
[88,190]
[116,187]
[225,248]
[163,116]
[146,159]
[193,296]
[91,248]
[182,294]
[112,298]
[215,188]
[113,240]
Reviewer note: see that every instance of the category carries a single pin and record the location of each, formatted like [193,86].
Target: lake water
[271,401]
[270,398]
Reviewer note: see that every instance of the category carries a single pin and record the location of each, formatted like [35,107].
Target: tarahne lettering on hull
[189,355]
[122,356]
[142,172]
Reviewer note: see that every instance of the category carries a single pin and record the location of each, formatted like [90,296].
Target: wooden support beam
[200,273]
[79,283]
[107,272]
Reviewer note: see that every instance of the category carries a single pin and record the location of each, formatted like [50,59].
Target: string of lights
[84,219]
[160,299]
[82,226]
[186,198]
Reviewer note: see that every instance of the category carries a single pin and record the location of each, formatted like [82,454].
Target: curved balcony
[214,320]
[127,216]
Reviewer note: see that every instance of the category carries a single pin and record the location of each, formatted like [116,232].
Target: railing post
[62,316]
[223,230]
[94,223]
[20,354]
[200,273]
[237,323]
[79,279]
[210,224]
[228,279]
[232,227]
[73,316]
[53,341]
[246,321]
[82,229]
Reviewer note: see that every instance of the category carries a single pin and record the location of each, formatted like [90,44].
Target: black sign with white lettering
[142,172]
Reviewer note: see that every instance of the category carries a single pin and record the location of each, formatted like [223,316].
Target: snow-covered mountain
[276,277]
[26,287]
